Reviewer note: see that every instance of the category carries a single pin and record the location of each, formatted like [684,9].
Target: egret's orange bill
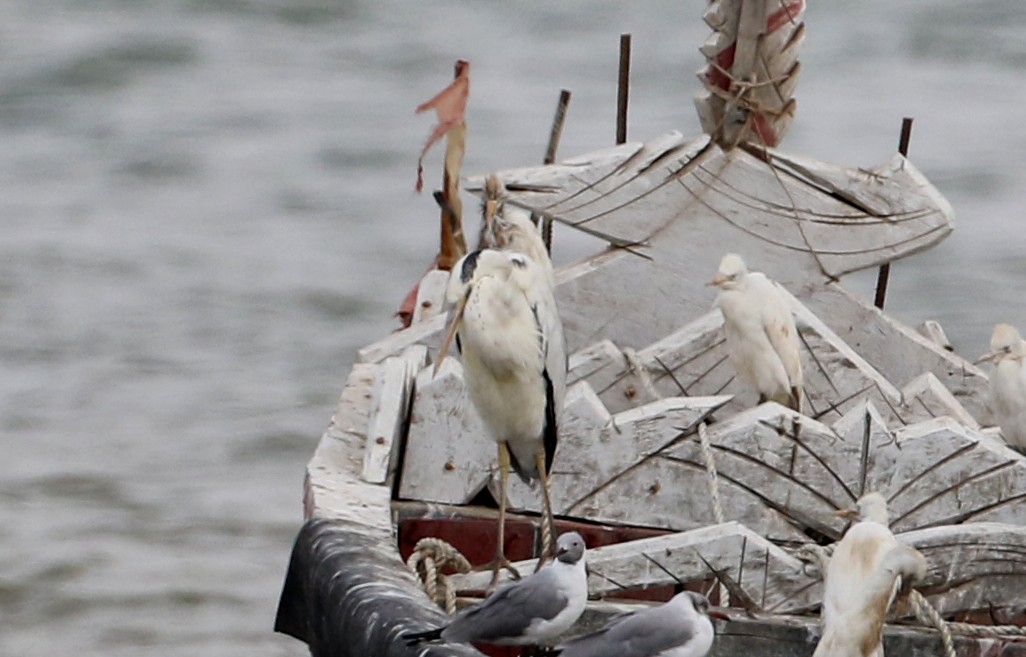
[454,322]
[846,513]
[989,356]
[717,279]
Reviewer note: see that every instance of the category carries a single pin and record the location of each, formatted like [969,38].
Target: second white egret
[762,340]
[1008,384]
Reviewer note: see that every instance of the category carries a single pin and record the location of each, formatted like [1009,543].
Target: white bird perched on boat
[678,628]
[761,336]
[534,610]
[1008,384]
[868,568]
[514,359]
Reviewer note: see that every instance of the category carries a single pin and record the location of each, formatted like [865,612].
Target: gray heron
[507,328]
[1008,384]
[533,610]
[762,340]
[509,228]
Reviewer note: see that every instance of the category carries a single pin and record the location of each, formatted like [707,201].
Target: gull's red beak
[718,613]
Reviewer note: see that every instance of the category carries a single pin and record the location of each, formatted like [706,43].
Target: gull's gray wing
[510,610]
[641,634]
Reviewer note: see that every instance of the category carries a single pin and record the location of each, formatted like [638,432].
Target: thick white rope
[714,494]
[430,556]
[929,616]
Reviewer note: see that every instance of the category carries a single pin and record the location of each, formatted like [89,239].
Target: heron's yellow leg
[500,561]
[548,521]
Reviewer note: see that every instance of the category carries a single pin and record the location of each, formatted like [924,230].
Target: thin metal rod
[550,157]
[623,88]
[557,126]
[885,269]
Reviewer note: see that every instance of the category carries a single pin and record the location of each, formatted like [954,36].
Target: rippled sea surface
[207,207]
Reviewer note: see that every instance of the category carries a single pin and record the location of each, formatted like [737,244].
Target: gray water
[207,207]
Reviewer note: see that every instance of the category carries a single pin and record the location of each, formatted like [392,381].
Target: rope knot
[429,558]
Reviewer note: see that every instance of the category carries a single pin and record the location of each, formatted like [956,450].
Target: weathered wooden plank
[944,473]
[886,200]
[671,488]
[595,447]
[866,465]
[389,412]
[333,488]
[599,364]
[784,475]
[658,166]
[974,567]
[770,577]
[430,295]
[426,332]
[729,197]
[925,397]
[895,350]
[449,454]
[539,187]
[934,332]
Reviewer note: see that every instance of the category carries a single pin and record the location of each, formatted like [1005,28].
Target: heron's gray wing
[554,355]
[642,634]
[510,610]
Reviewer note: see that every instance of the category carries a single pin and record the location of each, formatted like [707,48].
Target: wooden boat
[889,409]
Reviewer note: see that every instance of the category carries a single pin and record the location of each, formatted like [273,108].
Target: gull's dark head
[570,548]
[700,603]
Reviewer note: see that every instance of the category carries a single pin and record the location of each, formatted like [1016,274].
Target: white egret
[1008,384]
[679,628]
[533,610]
[762,340]
[515,362]
[868,568]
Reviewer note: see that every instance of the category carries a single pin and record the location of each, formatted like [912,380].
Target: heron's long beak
[454,322]
[847,514]
[987,357]
[716,613]
[718,279]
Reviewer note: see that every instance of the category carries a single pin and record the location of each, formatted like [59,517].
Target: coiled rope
[430,556]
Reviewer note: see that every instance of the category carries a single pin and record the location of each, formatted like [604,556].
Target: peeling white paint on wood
[431,295]
[595,447]
[333,487]
[977,566]
[449,455]
[388,414]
